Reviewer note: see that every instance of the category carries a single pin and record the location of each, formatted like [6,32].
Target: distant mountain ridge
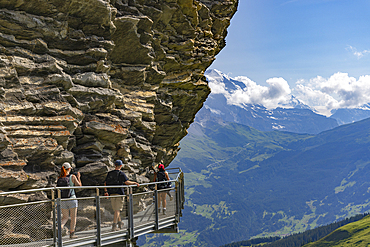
[292,115]
[345,115]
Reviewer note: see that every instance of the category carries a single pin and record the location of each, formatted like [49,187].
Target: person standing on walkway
[117,177]
[69,208]
[159,176]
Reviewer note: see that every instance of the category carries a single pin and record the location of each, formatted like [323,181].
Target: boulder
[94,173]
[91,79]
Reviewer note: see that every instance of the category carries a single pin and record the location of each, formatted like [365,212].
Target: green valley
[243,183]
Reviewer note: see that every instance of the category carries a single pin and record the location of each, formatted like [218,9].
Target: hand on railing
[132,183]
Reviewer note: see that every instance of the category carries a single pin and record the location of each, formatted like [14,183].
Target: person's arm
[168,178]
[155,177]
[76,179]
[105,189]
[128,182]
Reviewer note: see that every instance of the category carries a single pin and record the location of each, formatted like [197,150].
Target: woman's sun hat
[66,165]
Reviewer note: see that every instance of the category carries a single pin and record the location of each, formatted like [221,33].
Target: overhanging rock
[92,81]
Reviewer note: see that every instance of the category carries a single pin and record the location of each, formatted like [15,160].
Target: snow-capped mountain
[226,103]
[351,115]
[295,103]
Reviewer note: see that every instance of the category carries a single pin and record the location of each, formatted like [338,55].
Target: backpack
[161,176]
[113,178]
[64,182]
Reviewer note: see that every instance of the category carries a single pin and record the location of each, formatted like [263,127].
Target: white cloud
[214,111]
[358,54]
[317,99]
[277,92]
[337,91]
[218,88]
[323,94]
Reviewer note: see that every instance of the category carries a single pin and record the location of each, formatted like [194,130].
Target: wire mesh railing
[30,223]
[49,222]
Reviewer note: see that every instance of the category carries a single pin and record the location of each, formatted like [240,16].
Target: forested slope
[243,183]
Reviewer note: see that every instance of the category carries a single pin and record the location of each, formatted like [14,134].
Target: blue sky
[317,50]
[297,39]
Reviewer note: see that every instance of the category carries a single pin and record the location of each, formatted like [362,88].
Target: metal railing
[38,221]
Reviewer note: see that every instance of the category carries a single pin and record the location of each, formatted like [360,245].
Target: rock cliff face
[91,81]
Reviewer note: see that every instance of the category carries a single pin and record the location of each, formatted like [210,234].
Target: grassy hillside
[353,234]
[243,183]
[300,239]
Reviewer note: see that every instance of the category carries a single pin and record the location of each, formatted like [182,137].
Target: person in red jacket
[159,176]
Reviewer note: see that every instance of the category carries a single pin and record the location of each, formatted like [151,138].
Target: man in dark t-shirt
[117,177]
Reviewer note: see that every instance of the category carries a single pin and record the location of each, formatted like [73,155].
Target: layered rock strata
[91,81]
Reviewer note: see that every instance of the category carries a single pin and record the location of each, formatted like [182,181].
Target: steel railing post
[128,243]
[59,215]
[130,214]
[177,201]
[54,218]
[182,192]
[156,208]
[98,220]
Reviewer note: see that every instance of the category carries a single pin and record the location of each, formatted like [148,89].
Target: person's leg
[169,194]
[120,223]
[159,201]
[164,202]
[113,203]
[116,216]
[73,205]
[121,201]
[117,207]
[119,216]
[73,212]
[65,216]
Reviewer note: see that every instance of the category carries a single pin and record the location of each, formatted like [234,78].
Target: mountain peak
[238,100]
[295,103]
[243,91]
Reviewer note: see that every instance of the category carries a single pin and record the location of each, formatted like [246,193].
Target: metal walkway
[37,222]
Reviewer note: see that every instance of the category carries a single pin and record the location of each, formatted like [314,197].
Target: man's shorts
[117,202]
[68,204]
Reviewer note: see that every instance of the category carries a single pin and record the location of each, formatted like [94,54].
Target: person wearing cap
[162,175]
[69,208]
[117,177]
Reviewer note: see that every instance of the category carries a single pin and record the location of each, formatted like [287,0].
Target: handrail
[112,186]
[140,214]
[26,191]
[83,187]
